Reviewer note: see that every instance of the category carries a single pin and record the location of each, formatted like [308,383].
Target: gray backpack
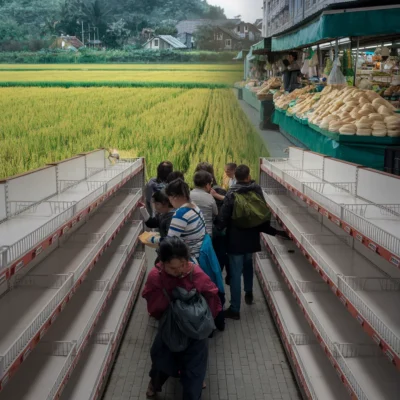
[187,317]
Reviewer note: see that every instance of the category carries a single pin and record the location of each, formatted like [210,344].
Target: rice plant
[42,125]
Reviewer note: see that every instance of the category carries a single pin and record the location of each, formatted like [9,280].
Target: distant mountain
[101,19]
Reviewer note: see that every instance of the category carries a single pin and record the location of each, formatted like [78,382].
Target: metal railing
[349,375]
[32,239]
[355,215]
[366,313]
[64,370]
[100,285]
[100,376]
[304,341]
[41,281]
[33,328]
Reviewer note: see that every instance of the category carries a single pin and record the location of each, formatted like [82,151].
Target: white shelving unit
[348,274]
[313,370]
[59,298]
[363,202]
[89,377]
[40,206]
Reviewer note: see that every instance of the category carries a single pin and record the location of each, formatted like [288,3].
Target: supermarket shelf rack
[313,369]
[89,378]
[77,328]
[40,206]
[364,371]
[39,293]
[366,284]
[365,203]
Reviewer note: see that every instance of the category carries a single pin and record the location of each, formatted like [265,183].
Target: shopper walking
[218,237]
[245,215]
[177,291]
[201,196]
[157,183]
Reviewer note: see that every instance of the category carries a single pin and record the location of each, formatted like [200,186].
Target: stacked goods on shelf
[392,94]
[304,105]
[357,278]
[352,111]
[72,272]
[283,101]
[344,110]
[272,83]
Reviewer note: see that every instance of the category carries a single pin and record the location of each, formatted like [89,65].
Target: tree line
[28,23]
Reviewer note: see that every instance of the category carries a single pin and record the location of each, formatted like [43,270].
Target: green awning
[242,55]
[338,24]
[262,47]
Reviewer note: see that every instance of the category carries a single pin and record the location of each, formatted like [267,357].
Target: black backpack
[187,317]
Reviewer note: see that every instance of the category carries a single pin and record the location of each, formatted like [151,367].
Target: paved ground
[246,362]
[275,142]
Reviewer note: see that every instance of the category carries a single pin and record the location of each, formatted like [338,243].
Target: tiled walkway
[246,362]
[274,141]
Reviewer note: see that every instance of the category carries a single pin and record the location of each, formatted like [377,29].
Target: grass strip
[179,85]
[117,69]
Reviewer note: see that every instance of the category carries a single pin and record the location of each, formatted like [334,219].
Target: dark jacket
[153,185]
[222,192]
[241,241]
[161,222]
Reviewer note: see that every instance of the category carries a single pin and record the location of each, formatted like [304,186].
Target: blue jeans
[240,264]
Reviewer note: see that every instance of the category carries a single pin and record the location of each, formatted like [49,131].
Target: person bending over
[164,213]
[190,364]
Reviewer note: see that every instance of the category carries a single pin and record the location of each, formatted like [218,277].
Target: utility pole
[89,35]
[83,35]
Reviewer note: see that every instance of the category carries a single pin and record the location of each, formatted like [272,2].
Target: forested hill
[38,19]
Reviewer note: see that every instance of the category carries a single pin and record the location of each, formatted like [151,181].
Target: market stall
[348,104]
[259,80]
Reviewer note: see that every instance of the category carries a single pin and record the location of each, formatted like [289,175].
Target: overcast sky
[250,10]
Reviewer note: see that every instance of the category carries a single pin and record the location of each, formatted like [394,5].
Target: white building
[164,42]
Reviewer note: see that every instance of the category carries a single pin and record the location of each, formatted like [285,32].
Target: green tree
[167,27]
[11,30]
[116,34]
[215,12]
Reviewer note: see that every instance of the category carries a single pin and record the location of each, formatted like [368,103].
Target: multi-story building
[281,15]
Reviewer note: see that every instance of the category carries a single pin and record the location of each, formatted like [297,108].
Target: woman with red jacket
[190,365]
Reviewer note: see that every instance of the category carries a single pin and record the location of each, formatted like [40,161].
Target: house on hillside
[190,25]
[226,39]
[187,39]
[164,42]
[67,43]
[248,31]
[187,28]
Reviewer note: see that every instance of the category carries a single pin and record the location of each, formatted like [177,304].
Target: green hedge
[183,85]
[114,56]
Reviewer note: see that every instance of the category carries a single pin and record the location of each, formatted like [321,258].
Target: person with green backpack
[245,215]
